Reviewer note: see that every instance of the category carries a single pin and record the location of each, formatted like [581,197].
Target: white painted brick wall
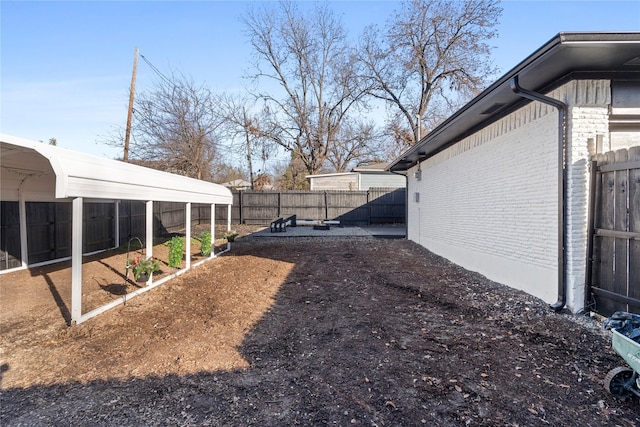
[588,116]
[489,203]
[585,123]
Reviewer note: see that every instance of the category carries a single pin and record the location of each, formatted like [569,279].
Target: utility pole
[247,131]
[125,156]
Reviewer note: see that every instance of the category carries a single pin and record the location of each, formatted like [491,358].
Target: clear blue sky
[66,66]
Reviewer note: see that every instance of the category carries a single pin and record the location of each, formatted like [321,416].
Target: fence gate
[614,261]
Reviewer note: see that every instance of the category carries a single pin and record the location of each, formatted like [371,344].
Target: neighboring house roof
[566,56]
[237,184]
[74,174]
[322,175]
[372,167]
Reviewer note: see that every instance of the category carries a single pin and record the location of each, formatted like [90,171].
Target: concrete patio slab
[382,231]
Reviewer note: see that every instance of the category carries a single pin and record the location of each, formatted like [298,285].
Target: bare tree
[358,142]
[432,56]
[223,172]
[175,128]
[291,175]
[243,131]
[309,59]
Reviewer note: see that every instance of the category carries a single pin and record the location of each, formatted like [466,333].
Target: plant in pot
[143,268]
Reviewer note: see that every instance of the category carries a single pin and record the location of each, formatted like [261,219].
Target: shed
[505,186]
[34,172]
[361,178]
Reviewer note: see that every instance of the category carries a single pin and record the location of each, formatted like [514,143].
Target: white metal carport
[33,171]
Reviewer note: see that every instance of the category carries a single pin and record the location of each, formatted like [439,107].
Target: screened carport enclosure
[59,205]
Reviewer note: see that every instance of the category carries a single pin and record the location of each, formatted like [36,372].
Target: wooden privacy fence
[168,217]
[375,206]
[614,248]
[49,223]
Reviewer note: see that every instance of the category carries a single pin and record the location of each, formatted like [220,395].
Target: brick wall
[588,117]
[489,203]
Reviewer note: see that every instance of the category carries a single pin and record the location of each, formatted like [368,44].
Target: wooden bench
[281,224]
[277,225]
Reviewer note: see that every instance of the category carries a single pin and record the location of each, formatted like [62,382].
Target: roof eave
[460,124]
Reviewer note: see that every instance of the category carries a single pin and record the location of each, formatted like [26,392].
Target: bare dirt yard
[301,331]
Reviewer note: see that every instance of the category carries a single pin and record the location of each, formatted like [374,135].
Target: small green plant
[230,235]
[205,243]
[176,248]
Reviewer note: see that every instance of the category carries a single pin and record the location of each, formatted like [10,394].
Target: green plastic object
[627,348]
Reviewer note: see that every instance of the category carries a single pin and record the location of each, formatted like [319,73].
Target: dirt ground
[301,331]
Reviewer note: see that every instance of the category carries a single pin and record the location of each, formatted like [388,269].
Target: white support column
[116,207]
[149,228]
[228,224]
[187,238]
[76,260]
[212,229]
[22,211]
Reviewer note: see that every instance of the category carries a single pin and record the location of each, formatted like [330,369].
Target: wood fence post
[326,206]
[369,207]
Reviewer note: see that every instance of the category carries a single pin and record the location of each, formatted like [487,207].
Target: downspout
[562,182]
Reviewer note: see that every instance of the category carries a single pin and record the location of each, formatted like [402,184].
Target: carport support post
[228,223]
[187,237]
[212,230]
[76,260]
[149,232]
[116,208]
[24,250]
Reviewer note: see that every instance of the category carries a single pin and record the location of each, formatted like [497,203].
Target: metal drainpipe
[562,180]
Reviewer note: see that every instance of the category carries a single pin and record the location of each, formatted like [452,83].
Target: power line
[155,70]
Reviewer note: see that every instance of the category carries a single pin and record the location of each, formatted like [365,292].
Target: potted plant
[230,235]
[143,268]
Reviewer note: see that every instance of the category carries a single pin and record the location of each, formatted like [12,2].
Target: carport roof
[567,55]
[83,175]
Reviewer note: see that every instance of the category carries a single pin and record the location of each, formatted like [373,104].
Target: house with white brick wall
[502,186]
